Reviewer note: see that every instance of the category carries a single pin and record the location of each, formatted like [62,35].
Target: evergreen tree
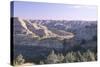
[52,58]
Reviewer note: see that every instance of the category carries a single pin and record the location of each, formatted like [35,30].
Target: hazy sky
[34,10]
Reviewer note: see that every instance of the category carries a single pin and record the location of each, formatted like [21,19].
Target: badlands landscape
[36,40]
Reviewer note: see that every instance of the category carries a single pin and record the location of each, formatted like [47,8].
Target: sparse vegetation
[73,57]
[70,57]
[19,60]
[39,38]
[60,57]
[52,58]
[41,62]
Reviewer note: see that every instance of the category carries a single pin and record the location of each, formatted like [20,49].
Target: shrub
[19,60]
[90,56]
[60,58]
[52,58]
[80,57]
[41,62]
[70,57]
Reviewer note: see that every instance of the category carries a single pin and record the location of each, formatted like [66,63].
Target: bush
[80,57]
[70,57]
[19,60]
[60,58]
[52,58]
[41,62]
[90,56]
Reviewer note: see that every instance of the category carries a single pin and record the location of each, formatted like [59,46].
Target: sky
[52,11]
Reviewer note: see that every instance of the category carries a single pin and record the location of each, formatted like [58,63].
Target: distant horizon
[51,11]
[53,19]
